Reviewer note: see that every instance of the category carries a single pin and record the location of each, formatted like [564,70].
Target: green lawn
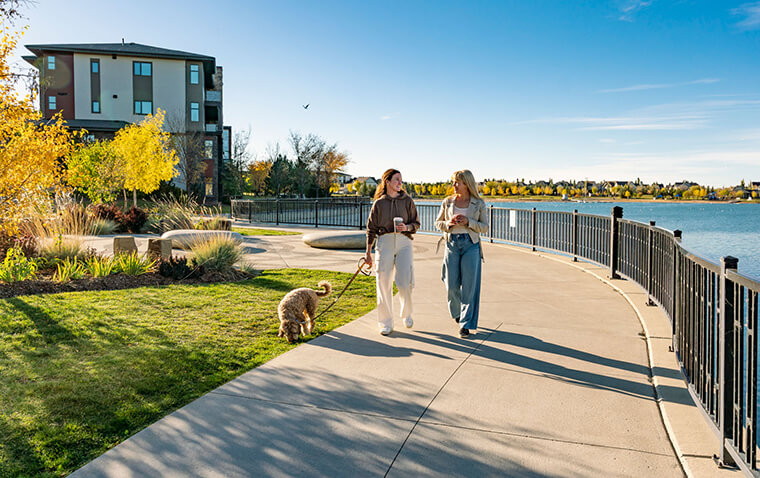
[252,231]
[80,372]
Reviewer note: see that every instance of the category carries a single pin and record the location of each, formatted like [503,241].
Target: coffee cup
[397,221]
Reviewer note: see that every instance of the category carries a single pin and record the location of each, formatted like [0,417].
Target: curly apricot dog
[298,309]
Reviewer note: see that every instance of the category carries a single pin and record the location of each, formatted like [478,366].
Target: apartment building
[101,87]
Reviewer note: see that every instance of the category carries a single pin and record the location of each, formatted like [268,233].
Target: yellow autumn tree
[29,148]
[146,154]
[258,172]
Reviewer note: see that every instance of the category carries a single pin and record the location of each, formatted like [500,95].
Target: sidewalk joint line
[436,396]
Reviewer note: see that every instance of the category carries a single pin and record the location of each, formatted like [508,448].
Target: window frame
[50,62]
[195,112]
[52,103]
[138,105]
[138,68]
[93,105]
[196,73]
[93,62]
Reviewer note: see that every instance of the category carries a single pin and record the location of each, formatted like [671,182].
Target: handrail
[713,310]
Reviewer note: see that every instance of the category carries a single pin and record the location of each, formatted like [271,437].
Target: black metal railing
[713,310]
[338,212]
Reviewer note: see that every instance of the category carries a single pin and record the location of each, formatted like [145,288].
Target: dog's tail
[326,286]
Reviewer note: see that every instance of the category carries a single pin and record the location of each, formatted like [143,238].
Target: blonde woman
[392,222]
[462,218]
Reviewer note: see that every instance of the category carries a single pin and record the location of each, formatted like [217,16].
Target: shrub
[178,268]
[111,212]
[134,219]
[28,244]
[217,253]
[216,223]
[102,226]
[61,248]
[174,214]
[16,267]
[134,264]
[100,266]
[69,269]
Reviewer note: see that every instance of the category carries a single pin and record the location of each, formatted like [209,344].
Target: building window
[90,138]
[95,66]
[194,74]
[51,63]
[195,114]
[209,187]
[96,106]
[142,68]
[51,102]
[143,107]
[208,149]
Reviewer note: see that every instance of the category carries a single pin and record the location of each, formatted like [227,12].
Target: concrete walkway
[556,382]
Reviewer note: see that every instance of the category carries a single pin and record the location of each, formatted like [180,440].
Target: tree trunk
[134,196]
[124,190]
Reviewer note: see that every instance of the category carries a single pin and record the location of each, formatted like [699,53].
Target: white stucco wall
[116,79]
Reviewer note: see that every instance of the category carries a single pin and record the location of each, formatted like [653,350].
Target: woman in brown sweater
[392,222]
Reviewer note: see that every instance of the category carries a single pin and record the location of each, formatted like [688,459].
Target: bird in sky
[306,106]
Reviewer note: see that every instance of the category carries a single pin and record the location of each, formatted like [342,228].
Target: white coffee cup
[397,221]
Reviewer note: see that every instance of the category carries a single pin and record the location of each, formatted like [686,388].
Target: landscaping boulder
[336,240]
[124,245]
[186,238]
[160,248]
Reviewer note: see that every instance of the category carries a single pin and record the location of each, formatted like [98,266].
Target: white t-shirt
[459,228]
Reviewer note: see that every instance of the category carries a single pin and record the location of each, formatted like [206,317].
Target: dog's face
[290,330]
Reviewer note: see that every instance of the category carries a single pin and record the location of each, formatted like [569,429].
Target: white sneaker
[408,322]
[385,331]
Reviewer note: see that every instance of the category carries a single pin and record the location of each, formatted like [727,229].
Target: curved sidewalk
[556,382]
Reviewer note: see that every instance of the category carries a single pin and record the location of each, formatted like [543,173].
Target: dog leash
[359,268]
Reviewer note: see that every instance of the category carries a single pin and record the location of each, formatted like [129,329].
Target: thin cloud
[629,8]
[751,14]
[387,117]
[702,81]
[628,123]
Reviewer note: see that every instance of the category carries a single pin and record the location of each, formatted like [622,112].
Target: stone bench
[336,240]
[186,238]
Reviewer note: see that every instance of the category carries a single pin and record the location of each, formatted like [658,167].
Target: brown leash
[359,268]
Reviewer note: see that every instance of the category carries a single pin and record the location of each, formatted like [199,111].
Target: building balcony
[213,96]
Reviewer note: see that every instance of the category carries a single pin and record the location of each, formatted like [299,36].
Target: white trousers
[393,251]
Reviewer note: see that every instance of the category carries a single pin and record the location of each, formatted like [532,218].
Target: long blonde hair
[465,176]
[381,188]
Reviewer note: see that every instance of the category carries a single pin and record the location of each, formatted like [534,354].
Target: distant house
[684,185]
[342,178]
[368,180]
[754,186]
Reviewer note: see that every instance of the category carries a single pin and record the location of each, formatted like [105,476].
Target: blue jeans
[461,274]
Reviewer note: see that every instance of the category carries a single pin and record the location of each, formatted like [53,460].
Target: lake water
[710,230]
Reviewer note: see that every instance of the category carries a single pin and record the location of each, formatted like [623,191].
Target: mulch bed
[46,285]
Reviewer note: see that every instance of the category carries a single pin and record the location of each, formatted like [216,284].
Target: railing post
[250,212]
[650,258]
[361,215]
[232,210]
[726,360]
[674,291]
[277,211]
[575,235]
[617,213]
[490,223]
[533,229]
[316,213]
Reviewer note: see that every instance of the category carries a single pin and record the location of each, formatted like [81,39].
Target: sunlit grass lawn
[82,371]
[252,231]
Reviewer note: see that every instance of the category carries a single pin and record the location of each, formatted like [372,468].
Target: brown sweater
[380,220]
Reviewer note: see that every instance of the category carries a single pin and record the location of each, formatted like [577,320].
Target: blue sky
[662,90]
